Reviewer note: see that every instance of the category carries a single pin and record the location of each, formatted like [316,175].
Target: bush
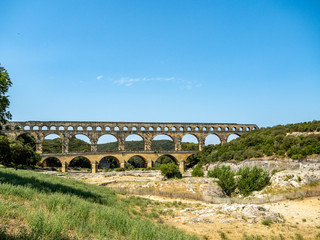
[252,180]
[226,178]
[197,171]
[170,170]
[249,180]
[119,169]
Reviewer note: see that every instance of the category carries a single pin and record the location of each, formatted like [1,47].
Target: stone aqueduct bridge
[121,130]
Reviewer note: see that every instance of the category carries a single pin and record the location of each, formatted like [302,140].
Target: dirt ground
[301,217]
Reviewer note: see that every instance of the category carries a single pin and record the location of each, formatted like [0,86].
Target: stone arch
[164,159]
[189,142]
[134,142]
[26,128]
[70,128]
[137,161]
[80,162]
[61,128]
[36,128]
[52,162]
[79,128]
[107,143]
[53,128]
[52,143]
[232,137]
[160,142]
[98,128]
[212,139]
[44,128]
[109,162]
[191,161]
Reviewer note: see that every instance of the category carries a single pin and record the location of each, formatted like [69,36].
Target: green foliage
[271,141]
[266,222]
[15,152]
[247,182]
[252,180]
[5,83]
[52,145]
[163,160]
[78,145]
[170,170]
[189,146]
[81,162]
[136,162]
[58,208]
[197,171]
[226,178]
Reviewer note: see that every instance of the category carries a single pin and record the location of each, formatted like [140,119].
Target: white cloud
[127,82]
[99,77]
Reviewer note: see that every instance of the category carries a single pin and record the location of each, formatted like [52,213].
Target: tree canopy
[5,83]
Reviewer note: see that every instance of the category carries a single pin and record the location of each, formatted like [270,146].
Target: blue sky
[173,61]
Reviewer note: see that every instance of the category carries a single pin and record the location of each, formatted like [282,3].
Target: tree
[170,170]
[5,83]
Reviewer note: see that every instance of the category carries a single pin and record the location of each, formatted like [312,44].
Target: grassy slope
[49,207]
[272,141]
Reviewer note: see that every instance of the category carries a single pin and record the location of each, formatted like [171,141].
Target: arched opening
[136,162]
[79,128]
[191,161]
[232,137]
[44,128]
[52,144]
[80,162]
[35,128]
[162,143]
[51,162]
[189,143]
[89,128]
[61,128]
[134,142]
[109,162]
[79,143]
[53,128]
[125,128]
[98,129]
[134,129]
[27,128]
[27,139]
[165,159]
[212,139]
[107,143]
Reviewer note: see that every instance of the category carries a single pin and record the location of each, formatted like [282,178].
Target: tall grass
[55,208]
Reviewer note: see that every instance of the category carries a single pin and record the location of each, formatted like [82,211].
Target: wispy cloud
[127,82]
[99,77]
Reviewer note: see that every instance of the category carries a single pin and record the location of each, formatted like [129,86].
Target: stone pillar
[94,167]
[182,166]
[64,167]
[150,164]
[123,164]
[177,145]
[201,143]
[147,144]
[38,147]
[94,146]
[121,144]
[65,144]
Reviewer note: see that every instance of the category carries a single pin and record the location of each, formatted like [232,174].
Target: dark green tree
[5,83]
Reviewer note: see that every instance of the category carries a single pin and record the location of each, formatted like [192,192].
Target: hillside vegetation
[272,141]
[39,206]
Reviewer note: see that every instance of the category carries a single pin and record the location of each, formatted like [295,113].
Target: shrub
[170,170]
[197,171]
[252,180]
[226,178]
[266,222]
[119,169]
